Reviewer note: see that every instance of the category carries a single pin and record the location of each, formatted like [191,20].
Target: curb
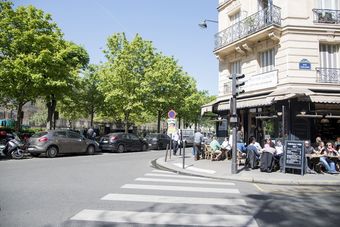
[168,167]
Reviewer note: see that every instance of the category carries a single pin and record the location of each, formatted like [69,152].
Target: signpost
[294,155]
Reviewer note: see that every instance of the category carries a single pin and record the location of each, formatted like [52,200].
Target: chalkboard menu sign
[294,155]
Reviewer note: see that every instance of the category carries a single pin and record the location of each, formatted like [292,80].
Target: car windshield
[39,134]
[152,135]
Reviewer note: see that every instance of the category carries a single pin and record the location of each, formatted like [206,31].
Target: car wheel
[90,150]
[121,149]
[35,155]
[144,147]
[52,152]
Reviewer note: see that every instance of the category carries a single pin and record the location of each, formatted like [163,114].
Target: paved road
[124,190]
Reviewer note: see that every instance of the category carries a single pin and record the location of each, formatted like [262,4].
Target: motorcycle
[14,148]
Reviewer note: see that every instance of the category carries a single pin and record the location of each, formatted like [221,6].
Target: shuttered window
[267,60]
[329,56]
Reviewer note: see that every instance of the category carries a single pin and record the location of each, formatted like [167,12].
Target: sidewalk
[222,170]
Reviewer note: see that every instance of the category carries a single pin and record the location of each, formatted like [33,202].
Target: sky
[172,26]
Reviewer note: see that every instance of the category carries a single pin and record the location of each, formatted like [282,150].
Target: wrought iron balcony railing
[328,16]
[254,23]
[328,75]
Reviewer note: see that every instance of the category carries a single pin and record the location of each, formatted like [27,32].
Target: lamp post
[203,24]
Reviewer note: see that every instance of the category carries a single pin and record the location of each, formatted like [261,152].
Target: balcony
[328,75]
[252,24]
[327,16]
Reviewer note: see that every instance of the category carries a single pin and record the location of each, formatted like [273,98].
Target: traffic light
[236,88]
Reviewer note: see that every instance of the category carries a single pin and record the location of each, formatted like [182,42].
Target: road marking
[259,188]
[174,199]
[183,181]
[173,176]
[157,218]
[162,171]
[180,188]
[191,168]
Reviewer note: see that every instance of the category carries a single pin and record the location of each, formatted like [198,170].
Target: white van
[188,137]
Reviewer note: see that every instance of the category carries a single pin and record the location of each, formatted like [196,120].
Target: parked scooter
[14,148]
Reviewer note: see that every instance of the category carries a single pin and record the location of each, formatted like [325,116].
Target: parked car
[62,141]
[121,142]
[157,140]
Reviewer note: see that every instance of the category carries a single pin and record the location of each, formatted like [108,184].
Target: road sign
[172,114]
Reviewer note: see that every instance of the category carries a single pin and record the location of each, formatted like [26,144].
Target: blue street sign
[305,64]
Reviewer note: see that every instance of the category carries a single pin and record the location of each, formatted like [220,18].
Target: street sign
[172,114]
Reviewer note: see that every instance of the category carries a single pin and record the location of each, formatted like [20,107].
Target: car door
[60,139]
[76,142]
[136,144]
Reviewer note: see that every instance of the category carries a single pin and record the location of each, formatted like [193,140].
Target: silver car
[63,141]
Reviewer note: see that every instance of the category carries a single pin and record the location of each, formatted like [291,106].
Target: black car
[157,140]
[121,142]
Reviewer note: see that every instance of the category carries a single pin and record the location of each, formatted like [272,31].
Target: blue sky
[172,26]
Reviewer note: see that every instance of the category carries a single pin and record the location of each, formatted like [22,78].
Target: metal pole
[283,121]
[183,151]
[166,152]
[234,151]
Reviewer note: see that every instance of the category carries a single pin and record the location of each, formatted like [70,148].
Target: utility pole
[235,91]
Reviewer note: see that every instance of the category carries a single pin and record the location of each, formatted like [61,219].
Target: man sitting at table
[309,150]
[215,146]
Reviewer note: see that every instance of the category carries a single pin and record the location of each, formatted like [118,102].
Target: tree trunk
[51,105]
[19,119]
[159,121]
[126,122]
[92,116]
[179,122]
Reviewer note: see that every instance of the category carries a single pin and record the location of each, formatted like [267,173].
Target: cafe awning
[288,93]
[246,103]
[322,98]
[208,107]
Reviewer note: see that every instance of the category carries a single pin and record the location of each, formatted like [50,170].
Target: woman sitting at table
[325,159]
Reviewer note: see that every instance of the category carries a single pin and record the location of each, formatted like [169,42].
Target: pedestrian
[91,134]
[175,140]
[198,140]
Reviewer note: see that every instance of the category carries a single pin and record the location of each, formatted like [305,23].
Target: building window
[235,67]
[262,4]
[226,89]
[329,56]
[235,18]
[329,4]
[267,60]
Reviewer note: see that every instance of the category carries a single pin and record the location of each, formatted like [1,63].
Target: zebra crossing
[162,187]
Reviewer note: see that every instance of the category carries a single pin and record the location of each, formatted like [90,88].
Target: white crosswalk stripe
[180,188]
[174,199]
[174,183]
[157,218]
[183,181]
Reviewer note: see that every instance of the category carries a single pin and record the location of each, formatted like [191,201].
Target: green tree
[163,86]
[34,59]
[123,74]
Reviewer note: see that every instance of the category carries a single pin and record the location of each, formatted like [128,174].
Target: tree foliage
[35,60]
[123,75]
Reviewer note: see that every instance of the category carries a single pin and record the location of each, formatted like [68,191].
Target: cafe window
[267,60]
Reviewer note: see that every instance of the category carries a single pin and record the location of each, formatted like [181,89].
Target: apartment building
[289,53]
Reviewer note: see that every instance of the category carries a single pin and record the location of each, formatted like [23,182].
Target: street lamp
[203,24]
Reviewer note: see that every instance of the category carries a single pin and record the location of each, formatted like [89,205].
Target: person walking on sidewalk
[175,139]
[198,140]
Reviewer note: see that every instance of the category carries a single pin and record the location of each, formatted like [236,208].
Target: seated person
[269,146]
[309,150]
[252,153]
[326,161]
[215,146]
[278,155]
[226,147]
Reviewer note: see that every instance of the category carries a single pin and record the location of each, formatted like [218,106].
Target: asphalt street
[112,189]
